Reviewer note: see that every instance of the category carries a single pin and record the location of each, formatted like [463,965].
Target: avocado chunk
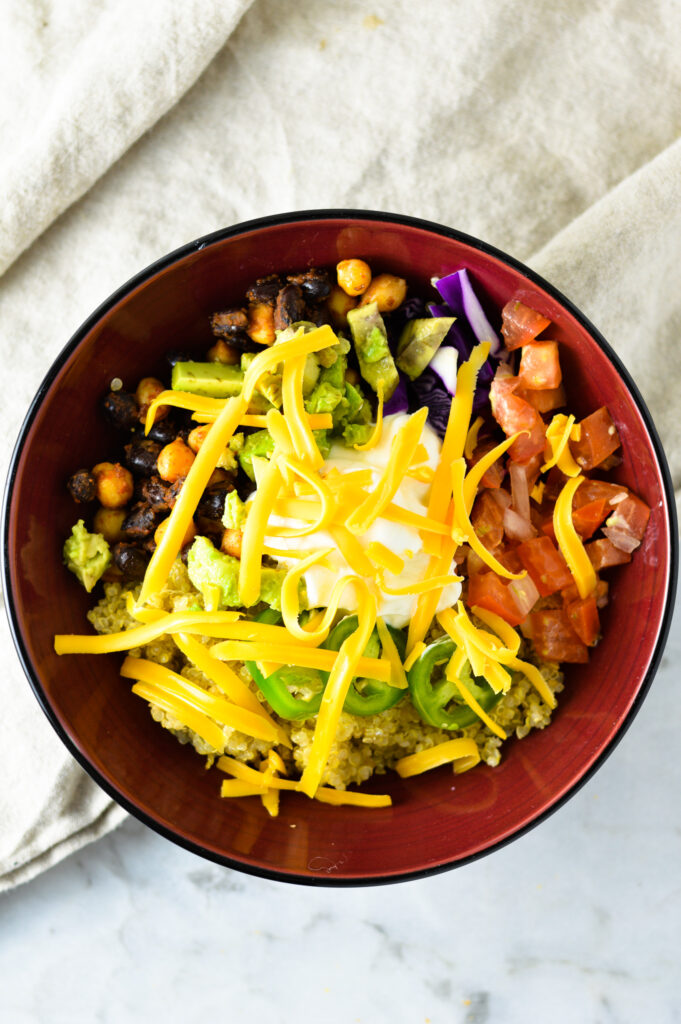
[419,342]
[216,380]
[206,565]
[259,445]
[234,515]
[370,337]
[87,555]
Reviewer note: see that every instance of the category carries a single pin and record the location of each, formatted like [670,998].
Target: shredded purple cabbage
[399,400]
[457,291]
[429,390]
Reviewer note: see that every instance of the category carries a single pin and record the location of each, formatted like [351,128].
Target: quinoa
[363,746]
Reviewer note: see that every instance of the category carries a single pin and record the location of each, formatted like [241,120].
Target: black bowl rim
[246,227]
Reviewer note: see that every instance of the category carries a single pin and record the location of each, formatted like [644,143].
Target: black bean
[141,456]
[212,503]
[229,322]
[154,492]
[290,307]
[121,410]
[265,289]
[141,521]
[163,431]
[315,284]
[82,486]
[131,560]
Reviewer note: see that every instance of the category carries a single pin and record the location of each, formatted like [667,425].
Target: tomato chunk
[630,516]
[583,617]
[589,517]
[598,440]
[540,366]
[545,400]
[545,564]
[487,518]
[604,554]
[554,638]
[494,476]
[514,414]
[489,591]
[520,324]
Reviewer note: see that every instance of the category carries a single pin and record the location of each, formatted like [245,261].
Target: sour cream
[404,541]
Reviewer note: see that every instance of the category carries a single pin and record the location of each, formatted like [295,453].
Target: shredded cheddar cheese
[463,753]
[570,542]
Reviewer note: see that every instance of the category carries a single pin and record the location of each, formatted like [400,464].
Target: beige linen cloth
[129,128]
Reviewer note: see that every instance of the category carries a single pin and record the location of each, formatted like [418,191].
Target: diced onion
[519,489]
[517,527]
[501,496]
[622,539]
[525,594]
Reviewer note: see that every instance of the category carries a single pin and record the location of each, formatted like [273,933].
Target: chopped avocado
[310,374]
[259,445]
[269,383]
[324,398]
[234,516]
[357,433]
[208,566]
[419,342]
[323,443]
[87,555]
[373,352]
[216,380]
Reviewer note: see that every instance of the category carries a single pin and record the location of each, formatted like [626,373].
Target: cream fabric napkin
[550,130]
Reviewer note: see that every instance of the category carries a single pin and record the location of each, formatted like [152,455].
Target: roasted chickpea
[354,276]
[175,461]
[261,323]
[231,543]
[222,352]
[198,436]
[339,305]
[114,484]
[187,539]
[148,389]
[387,291]
[108,522]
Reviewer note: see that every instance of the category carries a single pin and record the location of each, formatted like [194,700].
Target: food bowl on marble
[437,820]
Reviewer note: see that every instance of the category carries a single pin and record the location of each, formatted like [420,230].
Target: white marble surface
[579,921]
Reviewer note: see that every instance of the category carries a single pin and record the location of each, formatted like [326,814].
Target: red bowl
[437,820]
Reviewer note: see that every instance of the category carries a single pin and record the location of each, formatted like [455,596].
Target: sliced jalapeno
[431,699]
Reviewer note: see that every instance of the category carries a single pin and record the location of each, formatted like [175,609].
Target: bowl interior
[437,819]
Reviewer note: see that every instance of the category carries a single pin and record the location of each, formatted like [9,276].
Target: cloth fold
[551,131]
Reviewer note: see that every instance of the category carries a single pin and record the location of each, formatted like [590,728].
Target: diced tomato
[546,400]
[547,528]
[589,517]
[554,638]
[520,324]
[494,476]
[604,554]
[487,518]
[514,414]
[569,594]
[630,516]
[540,366]
[555,482]
[595,490]
[583,617]
[545,564]
[489,591]
[509,559]
[598,440]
